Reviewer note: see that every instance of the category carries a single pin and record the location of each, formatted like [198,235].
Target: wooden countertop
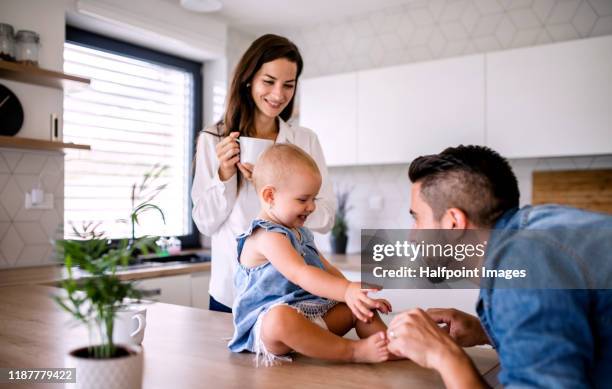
[51,274]
[186,348]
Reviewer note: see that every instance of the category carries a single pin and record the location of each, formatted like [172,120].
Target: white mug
[251,148]
[130,324]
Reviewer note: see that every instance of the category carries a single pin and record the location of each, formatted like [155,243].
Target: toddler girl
[289,298]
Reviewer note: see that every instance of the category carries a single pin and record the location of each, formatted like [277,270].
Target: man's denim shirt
[553,337]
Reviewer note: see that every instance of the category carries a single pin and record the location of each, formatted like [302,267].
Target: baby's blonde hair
[279,162]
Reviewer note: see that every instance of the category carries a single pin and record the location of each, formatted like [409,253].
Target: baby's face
[294,199]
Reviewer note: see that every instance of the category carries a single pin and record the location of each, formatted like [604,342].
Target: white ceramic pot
[113,373]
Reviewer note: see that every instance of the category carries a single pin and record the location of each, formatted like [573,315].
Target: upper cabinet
[551,100]
[395,114]
[411,110]
[543,101]
[328,106]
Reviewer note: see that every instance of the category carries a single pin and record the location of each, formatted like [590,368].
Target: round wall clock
[11,112]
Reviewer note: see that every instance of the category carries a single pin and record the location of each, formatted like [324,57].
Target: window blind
[135,115]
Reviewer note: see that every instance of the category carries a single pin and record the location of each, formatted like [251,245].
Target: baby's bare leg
[283,329]
[340,320]
[374,325]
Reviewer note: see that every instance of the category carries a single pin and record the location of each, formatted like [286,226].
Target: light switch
[46,203]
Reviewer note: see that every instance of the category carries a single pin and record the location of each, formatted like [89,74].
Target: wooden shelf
[39,76]
[37,144]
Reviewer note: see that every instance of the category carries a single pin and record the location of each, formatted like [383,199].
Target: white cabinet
[171,289]
[551,100]
[411,110]
[186,289]
[543,101]
[328,107]
[394,114]
[199,289]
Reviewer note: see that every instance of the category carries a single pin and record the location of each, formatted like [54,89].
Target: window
[141,111]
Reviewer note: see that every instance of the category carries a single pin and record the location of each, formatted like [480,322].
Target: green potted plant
[95,298]
[339,237]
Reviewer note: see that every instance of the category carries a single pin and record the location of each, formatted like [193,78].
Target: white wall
[422,30]
[157,24]
[237,43]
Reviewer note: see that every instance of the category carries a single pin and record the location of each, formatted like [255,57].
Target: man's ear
[267,193]
[454,219]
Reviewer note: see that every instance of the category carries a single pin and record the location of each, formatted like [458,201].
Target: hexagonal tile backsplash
[25,234]
[429,29]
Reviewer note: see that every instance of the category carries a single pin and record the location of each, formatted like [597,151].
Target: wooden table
[186,348]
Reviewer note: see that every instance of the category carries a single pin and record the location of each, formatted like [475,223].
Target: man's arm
[414,335]
[544,337]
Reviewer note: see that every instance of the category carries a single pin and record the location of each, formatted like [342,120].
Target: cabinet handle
[150,292]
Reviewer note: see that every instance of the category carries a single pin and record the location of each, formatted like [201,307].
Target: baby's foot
[393,357]
[371,349]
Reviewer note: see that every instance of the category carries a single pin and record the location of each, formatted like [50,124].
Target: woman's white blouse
[220,214]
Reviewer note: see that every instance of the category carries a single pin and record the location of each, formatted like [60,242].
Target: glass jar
[7,42]
[27,47]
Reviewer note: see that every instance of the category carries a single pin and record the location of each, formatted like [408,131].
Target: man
[552,338]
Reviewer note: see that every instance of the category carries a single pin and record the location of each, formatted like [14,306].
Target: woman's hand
[246,169]
[228,154]
[358,301]
[464,328]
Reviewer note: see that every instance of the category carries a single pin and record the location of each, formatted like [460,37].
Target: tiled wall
[423,30]
[392,184]
[25,235]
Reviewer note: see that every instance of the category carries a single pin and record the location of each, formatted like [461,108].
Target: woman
[260,102]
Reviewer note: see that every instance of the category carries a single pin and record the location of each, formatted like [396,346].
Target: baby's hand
[358,301]
[385,306]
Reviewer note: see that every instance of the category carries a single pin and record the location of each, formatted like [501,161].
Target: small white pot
[111,373]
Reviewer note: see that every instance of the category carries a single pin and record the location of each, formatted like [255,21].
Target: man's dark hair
[475,179]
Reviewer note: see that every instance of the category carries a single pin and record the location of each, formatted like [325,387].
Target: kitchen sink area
[162,260]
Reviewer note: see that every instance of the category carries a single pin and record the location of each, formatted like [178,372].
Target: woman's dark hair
[240,111]
[475,179]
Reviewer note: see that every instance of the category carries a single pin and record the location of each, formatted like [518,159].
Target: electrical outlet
[47,202]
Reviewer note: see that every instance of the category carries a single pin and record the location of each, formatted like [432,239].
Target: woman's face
[273,86]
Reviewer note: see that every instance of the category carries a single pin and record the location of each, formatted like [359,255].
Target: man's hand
[358,301]
[414,335]
[465,329]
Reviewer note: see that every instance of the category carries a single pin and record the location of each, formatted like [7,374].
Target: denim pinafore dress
[262,287]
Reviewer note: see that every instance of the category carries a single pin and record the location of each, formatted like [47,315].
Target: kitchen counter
[52,274]
[186,348]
